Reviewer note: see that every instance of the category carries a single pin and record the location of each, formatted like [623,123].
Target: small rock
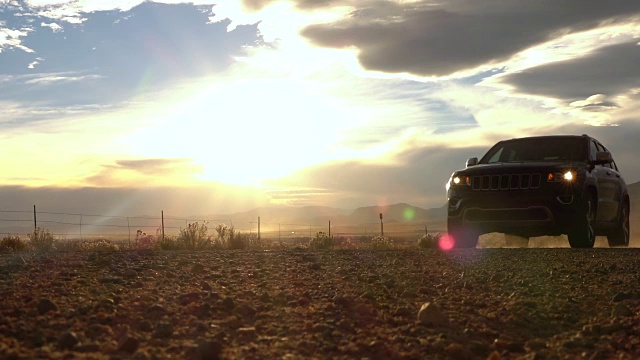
[209,350]
[205,286]
[156,311]
[535,344]
[622,296]
[228,303]
[197,268]
[342,301]
[245,310]
[95,331]
[247,333]
[621,310]
[129,344]
[46,305]
[609,329]
[430,314]
[145,325]
[403,312]
[87,348]
[315,266]
[130,274]
[457,351]
[163,330]
[67,340]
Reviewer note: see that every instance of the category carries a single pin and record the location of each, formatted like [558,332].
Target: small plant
[322,241]
[429,241]
[382,243]
[12,243]
[41,240]
[168,243]
[194,236]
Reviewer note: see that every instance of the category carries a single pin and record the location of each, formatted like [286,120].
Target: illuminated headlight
[559,176]
[458,180]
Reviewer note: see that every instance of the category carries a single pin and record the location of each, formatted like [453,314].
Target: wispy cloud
[54,79]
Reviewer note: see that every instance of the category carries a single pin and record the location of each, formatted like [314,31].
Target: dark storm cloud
[116,54]
[436,39]
[610,71]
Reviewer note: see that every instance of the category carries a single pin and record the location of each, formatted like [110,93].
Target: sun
[246,131]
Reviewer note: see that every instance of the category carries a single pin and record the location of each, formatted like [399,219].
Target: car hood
[519,167]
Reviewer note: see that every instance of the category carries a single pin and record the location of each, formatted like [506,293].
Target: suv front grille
[506,182]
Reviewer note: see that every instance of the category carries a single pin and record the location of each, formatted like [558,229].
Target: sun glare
[247,130]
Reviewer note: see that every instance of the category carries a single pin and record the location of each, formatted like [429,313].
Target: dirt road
[484,303]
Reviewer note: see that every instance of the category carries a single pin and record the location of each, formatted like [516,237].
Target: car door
[609,185]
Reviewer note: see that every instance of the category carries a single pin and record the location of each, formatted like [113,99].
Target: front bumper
[547,210]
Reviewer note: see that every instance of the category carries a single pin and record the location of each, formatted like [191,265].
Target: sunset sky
[223,106]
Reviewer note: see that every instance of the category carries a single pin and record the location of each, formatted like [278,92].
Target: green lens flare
[409,214]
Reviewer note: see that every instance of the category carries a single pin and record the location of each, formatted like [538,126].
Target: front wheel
[620,236]
[581,233]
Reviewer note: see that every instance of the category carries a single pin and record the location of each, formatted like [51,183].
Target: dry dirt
[490,303]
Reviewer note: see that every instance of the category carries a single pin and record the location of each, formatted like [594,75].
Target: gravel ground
[462,304]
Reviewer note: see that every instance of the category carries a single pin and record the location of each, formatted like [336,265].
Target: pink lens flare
[446,242]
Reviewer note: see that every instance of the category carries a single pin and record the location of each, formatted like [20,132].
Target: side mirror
[473,161]
[603,157]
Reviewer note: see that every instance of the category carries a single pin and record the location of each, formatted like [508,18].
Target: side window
[614,166]
[496,157]
[593,149]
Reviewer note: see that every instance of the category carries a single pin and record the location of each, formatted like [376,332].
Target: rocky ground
[476,304]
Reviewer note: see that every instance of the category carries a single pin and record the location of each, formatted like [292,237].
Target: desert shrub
[12,243]
[381,243]
[194,236]
[233,240]
[87,245]
[97,245]
[41,240]
[428,241]
[322,241]
[168,243]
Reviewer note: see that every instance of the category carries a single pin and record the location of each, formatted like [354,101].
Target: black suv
[535,186]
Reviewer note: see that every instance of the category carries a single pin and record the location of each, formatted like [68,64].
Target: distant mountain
[321,215]
[396,213]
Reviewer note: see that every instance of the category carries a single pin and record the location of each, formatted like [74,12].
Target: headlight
[458,180]
[567,176]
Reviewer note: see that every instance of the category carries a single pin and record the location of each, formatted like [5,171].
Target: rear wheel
[582,233]
[620,236]
[463,236]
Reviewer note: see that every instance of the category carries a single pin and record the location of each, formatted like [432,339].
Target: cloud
[149,171]
[440,39]
[54,78]
[122,53]
[53,26]
[417,176]
[131,201]
[584,81]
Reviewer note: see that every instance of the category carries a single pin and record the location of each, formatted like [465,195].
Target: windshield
[536,149]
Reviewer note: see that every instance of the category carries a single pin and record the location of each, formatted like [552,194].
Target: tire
[582,233]
[463,237]
[620,236]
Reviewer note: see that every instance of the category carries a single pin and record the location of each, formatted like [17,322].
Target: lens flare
[446,242]
[408,214]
